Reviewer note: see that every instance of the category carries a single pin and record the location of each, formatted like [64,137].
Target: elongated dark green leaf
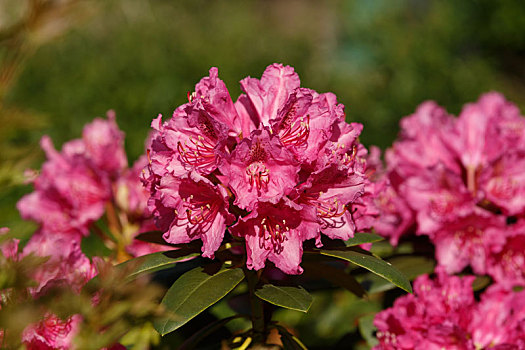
[334,275]
[150,263]
[361,237]
[367,329]
[373,264]
[290,342]
[410,266]
[158,261]
[193,293]
[295,298]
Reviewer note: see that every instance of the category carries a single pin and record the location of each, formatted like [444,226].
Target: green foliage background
[140,57]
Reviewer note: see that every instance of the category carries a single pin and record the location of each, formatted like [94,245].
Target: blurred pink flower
[104,145]
[66,266]
[443,314]
[462,180]
[51,333]
[70,193]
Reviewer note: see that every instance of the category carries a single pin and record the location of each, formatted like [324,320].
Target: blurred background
[64,62]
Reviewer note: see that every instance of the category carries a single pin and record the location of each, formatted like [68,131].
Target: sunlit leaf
[410,266]
[373,264]
[193,293]
[294,298]
[362,237]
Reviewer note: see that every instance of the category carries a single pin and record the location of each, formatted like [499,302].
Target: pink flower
[462,178]
[51,333]
[69,193]
[191,140]
[274,232]
[260,169]
[269,94]
[67,265]
[216,100]
[104,145]
[278,148]
[499,319]
[395,216]
[443,313]
[506,261]
[327,192]
[434,317]
[192,207]
[504,183]
[9,248]
[423,141]
[305,121]
[438,196]
[469,241]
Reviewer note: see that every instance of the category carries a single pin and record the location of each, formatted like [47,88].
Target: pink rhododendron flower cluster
[443,314]
[77,185]
[277,167]
[461,181]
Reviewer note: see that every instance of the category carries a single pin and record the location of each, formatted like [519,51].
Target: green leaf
[93,245]
[194,292]
[480,282]
[373,264]
[158,261]
[294,298]
[361,237]
[410,266]
[148,264]
[290,342]
[367,329]
[336,276]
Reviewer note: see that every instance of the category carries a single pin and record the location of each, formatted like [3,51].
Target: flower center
[272,234]
[295,133]
[198,153]
[258,175]
[199,212]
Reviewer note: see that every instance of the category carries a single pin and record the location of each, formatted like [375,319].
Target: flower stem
[258,324]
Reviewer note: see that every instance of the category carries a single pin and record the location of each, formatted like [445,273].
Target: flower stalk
[257,315]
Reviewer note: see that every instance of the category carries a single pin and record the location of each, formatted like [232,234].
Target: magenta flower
[51,333]
[281,161]
[499,319]
[104,145]
[436,316]
[69,193]
[274,232]
[423,141]
[462,180]
[469,241]
[269,94]
[192,207]
[260,169]
[327,192]
[67,265]
[506,261]
[443,313]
